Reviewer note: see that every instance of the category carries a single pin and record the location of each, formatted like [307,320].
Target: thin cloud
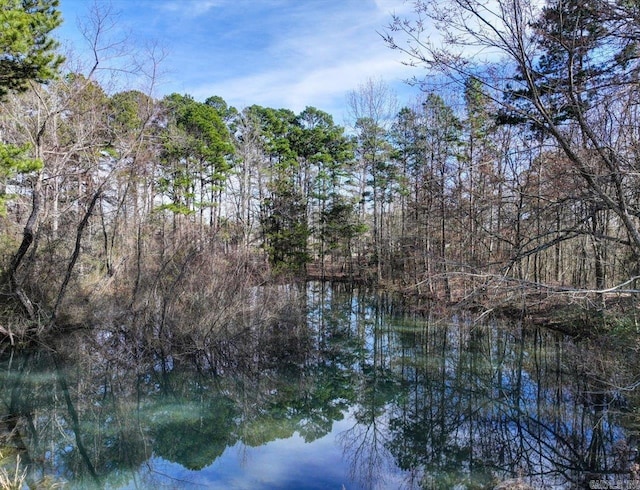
[314,64]
[324,87]
[190,8]
[393,6]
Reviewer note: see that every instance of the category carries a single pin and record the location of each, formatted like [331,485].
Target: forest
[512,179]
[440,293]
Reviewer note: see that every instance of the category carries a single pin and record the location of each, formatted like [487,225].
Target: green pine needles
[27,52]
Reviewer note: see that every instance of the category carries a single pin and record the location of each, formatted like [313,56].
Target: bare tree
[566,72]
[373,107]
[68,126]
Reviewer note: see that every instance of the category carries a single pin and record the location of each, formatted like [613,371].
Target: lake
[340,389]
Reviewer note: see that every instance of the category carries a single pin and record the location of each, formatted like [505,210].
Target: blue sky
[276,53]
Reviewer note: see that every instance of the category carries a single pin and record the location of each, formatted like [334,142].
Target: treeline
[528,179]
[552,179]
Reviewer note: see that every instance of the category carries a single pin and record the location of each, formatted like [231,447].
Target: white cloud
[293,55]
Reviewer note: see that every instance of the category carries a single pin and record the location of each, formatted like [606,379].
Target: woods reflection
[432,403]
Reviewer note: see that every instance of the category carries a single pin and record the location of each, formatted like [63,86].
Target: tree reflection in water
[408,401]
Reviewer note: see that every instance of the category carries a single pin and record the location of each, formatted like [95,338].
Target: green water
[341,390]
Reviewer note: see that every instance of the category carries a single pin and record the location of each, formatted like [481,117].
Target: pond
[341,389]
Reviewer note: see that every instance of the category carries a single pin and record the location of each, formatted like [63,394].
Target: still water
[339,390]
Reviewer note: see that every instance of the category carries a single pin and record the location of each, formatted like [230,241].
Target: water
[338,390]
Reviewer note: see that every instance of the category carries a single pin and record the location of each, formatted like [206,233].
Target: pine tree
[27,52]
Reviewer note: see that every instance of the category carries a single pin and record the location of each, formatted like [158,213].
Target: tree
[373,107]
[197,151]
[441,147]
[378,178]
[131,130]
[426,140]
[69,129]
[283,215]
[569,71]
[246,189]
[27,52]
[325,156]
[292,167]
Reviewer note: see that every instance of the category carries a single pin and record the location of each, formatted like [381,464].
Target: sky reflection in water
[284,463]
[345,392]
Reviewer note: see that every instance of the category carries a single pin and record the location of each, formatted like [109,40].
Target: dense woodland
[515,169]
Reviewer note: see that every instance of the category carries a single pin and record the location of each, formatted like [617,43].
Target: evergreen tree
[325,154]
[283,213]
[27,52]
[197,148]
